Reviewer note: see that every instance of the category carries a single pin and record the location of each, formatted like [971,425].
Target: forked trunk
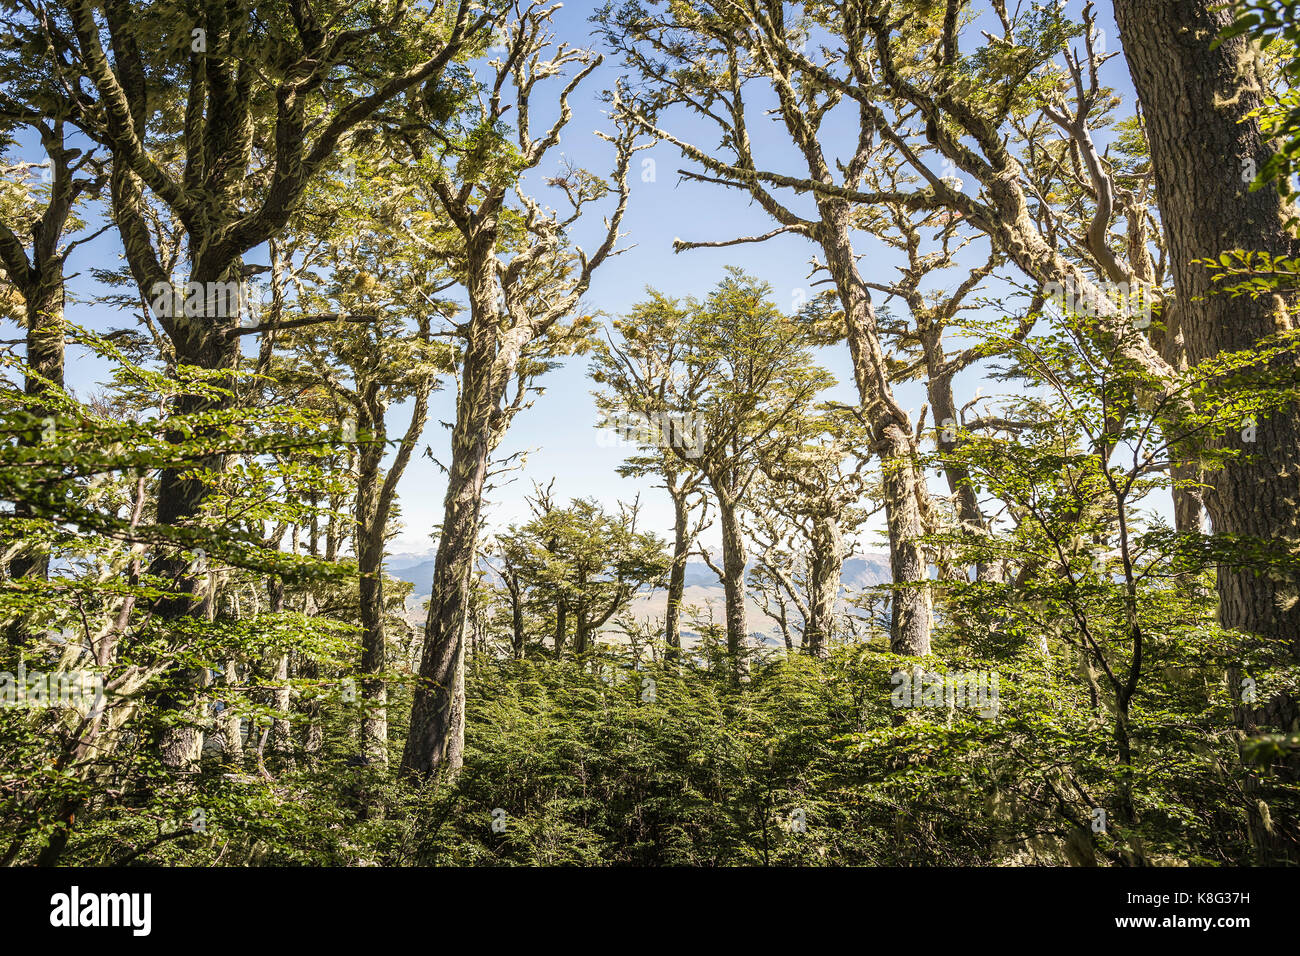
[891,437]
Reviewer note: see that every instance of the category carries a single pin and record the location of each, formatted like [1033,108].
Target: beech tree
[729,374]
[39,215]
[523,278]
[583,560]
[228,151]
[210,638]
[651,338]
[707,59]
[1202,96]
[804,520]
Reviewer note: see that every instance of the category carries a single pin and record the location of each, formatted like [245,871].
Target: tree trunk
[581,630]
[677,576]
[561,626]
[199,341]
[733,578]
[180,744]
[370,570]
[825,566]
[1188,508]
[232,725]
[909,619]
[518,638]
[437,734]
[281,737]
[891,436]
[436,737]
[969,513]
[1197,100]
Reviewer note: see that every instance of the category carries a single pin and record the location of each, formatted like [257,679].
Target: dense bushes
[806,763]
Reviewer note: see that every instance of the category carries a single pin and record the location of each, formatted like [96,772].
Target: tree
[1205,216]
[918,342]
[804,516]
[651,338]
[87,484]
[1202,97]
[585,561]
[35,223]
[229,151]
[728,374]
[706,58]
[1090,451]
[370,233]
[523,278]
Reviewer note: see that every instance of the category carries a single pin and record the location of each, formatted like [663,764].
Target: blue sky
[559,430]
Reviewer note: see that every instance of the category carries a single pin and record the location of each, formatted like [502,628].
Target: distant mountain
[703,589]
[419,573]
[867,570]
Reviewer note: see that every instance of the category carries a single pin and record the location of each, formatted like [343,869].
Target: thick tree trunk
[1189,510]
[200,341]
[438,716]
[825,567]
[437,735]
[1197,100]
[180,747]
[581,630]
[891,436]
[180,741]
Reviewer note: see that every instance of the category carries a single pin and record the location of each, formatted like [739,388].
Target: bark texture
[733,577]
[437,733]
[825,569]
[1197,99]
[891,432]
